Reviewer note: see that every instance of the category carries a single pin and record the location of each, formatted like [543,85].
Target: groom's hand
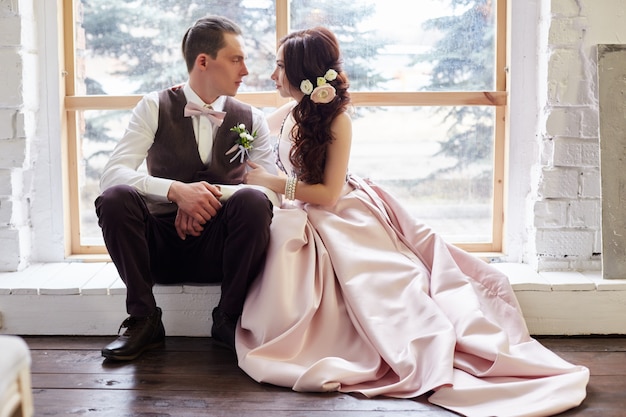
[187,225]
[198,200]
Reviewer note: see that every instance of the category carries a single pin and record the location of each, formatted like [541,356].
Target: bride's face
[285,89]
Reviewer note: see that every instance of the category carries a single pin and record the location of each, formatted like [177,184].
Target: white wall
[31,227]
[47,206]
[564,205]
[17,110]
[553,215]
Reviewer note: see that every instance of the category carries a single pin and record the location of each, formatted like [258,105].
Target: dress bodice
[283,145]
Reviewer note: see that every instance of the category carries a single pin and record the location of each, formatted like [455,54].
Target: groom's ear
[201,62]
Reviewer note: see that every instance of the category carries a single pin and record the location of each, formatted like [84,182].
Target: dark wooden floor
[192,377]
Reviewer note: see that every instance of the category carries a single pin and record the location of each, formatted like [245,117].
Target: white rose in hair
[306,87]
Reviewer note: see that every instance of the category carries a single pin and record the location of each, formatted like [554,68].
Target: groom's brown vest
[174,154]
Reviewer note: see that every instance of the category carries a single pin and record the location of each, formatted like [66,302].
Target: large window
[427,80]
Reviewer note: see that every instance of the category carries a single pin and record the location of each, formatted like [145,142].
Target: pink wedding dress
[362,298]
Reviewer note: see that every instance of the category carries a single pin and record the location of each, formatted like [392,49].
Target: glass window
[395,45]
[134,47]
[98,134]
[427,80]
[448,186]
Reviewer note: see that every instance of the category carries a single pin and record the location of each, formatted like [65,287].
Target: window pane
[437,161]
[134,47]
[99,133]
[396,45]
[440,168]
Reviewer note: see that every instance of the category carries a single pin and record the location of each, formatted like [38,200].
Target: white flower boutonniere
[243,144]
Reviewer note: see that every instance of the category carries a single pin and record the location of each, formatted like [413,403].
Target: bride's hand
[257,175]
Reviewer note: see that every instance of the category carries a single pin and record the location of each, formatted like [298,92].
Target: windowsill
[88,298]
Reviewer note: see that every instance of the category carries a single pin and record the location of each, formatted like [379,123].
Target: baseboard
[88,299]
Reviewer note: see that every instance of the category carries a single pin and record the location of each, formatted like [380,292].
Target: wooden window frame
[71,104]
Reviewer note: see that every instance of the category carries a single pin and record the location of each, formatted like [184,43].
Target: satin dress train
[362,298]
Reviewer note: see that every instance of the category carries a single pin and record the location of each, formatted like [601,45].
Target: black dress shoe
[141,334]
[223,329]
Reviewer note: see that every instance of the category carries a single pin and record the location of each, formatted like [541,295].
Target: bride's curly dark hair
[309,54]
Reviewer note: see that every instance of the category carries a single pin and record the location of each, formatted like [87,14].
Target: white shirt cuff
[158,188]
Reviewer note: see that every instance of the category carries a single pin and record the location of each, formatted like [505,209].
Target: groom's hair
[206,36]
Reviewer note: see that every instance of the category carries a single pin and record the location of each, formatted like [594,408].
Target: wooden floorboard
[193,377]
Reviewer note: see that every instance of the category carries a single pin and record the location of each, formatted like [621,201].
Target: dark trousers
[146,249]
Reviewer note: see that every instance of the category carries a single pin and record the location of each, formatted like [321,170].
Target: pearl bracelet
[290,187]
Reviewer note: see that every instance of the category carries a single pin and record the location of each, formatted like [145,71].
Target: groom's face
[225,73]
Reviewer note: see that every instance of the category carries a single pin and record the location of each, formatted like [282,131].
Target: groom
[168,226]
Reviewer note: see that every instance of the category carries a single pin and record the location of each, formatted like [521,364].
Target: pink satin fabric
[362,298]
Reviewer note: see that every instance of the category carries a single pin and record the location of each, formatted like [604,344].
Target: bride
[358,296]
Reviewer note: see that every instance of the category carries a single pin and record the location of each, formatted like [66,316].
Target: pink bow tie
[192,109]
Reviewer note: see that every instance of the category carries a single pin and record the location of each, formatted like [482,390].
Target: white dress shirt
[129,155]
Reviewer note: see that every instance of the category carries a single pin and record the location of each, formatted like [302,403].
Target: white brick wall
[567,202]
[558,229]
[17,54]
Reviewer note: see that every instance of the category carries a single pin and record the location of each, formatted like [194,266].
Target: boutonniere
[243,144]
